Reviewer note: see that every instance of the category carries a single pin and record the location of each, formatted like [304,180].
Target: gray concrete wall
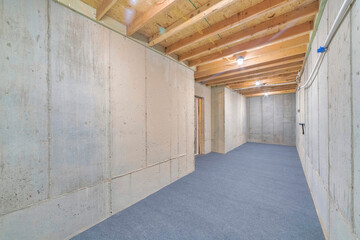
[271,119]
[90,121]
[218,119]
[228,112]
[235,120]
[329,150]
[205,92]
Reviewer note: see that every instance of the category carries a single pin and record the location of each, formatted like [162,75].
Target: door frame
[199,125]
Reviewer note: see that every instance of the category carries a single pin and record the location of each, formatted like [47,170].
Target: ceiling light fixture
[240,60]
[266,94]
[257,83]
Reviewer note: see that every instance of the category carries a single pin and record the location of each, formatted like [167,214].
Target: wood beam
[190,19]
[233,21]
[264,82]
[285,19]
[291,76]
[273,63]
[256,72]
[262,59]
[290,70]
[104,8]
[286,34]
[280,85]
[268,89]
[271,93]
[272,48]
[253,68]
[144,18]
[247,93]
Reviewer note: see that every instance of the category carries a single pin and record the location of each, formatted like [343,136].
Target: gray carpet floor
[257,191]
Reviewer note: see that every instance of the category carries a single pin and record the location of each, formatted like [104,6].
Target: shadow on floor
[257,191]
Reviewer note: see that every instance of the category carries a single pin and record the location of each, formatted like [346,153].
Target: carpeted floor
[256,191]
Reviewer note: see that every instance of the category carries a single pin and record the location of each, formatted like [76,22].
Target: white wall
[329,150]
[90,121]
[271,119]
[205,92]
[228,114]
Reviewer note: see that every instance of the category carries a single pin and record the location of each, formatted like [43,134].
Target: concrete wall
[271,119]
[235,120]
[329,150]
[205,92]
[218,119]
[90,121]
[228,119]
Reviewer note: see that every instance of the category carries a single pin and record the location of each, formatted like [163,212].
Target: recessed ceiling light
[240,60]
[266,94]
[257,83]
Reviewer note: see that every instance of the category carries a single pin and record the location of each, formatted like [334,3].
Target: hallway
[257,191]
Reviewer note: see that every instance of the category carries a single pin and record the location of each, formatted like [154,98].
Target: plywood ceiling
[271,36]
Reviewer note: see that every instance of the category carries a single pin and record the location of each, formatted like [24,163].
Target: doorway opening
[199,125]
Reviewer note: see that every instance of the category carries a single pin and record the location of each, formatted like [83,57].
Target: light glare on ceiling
[240,60]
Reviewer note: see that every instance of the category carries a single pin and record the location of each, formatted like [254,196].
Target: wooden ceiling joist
[256,72]
[291,70]
[233,21]
[274,63]
[190,19]
[259,68]
[262,93]
[265,81]
[104,8]
[285,19]
[255,87]
[302,40]
[291,76]
[263,59]
[268,89]
[144,18]
[284,35]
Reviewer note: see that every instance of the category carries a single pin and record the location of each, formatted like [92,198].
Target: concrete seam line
[146,108]
[352,130]
[49,89]
[148,166]
[109,157]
